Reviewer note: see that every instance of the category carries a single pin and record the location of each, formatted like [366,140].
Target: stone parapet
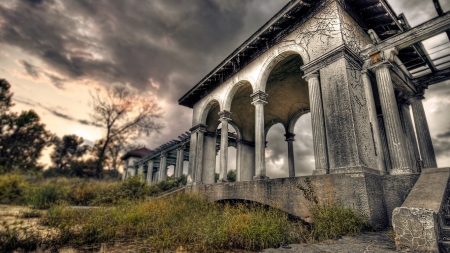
[418,222]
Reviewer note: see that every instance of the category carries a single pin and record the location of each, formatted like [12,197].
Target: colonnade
[393,133]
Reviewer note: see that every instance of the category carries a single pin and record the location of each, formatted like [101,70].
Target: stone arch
[238,130]
[277,56]
[270,124]
[238,82]
[291,125]
[206,108]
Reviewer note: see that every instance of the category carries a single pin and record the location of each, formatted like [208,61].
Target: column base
[260,177]
[354,169]
[222,181]
[319,172]
[401,171]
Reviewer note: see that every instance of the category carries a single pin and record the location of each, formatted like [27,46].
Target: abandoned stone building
[361,72]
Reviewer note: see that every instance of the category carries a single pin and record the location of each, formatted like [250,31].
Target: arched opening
[170,170]
[210,143]
[243,121]
[303,146]
[276,152]
[288,99]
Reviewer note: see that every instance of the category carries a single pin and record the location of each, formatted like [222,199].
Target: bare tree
[123,115]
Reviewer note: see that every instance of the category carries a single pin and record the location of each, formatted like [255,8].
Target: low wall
[372,195]
[417,222]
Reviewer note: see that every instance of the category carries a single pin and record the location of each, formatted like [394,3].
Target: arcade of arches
[287,99]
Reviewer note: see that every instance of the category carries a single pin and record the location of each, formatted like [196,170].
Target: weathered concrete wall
[396,188]
[373,195]
[417,222]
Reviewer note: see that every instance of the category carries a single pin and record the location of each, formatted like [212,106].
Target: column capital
[314,75]
[224,116]
[403,99]
[163,154]
[246,143]
[198,128]
[289,137]
[383,65]
[259,97]
[419,97]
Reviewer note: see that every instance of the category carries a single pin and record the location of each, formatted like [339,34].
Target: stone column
[238,160]
[423,133]
[396,141]
[318,124]
[196,153]
[408,129]
[162,167]
[374,122]
[199,157]
[179,163]
[259,100]
[384,144]
[290,139]
[225,116]
[209,157]
[192,154]
[125,170]
[150,172]
[246,158]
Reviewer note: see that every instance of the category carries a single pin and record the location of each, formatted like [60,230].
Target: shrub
[43,196]
[11,189]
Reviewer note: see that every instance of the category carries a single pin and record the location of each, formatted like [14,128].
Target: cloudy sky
[54,52]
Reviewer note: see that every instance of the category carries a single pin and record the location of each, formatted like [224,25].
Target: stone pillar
[396,141]
[423,133]
[246,158]
[192,154]
[259,100]
[290,139]
[150,172]
[162,167]
[179,163]
[384,144]
[408,129]
[209,158]
[373,121]
[225,116]
[141,172]
[196,153]
[318,124]
[125,170]
[199,158]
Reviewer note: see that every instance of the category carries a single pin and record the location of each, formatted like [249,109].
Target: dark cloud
[444,135]
[54,111]
[133,41]
[441,147]
[31,69]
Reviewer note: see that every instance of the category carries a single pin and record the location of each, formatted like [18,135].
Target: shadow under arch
[212,102]
[229,95]
[269,64]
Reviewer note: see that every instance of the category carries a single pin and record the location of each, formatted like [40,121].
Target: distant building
[129,170]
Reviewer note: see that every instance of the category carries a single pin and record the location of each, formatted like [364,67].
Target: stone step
[444,246]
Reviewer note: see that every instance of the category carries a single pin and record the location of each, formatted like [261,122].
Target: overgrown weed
[330,219]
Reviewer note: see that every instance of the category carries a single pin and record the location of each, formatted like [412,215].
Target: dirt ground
[367,242]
